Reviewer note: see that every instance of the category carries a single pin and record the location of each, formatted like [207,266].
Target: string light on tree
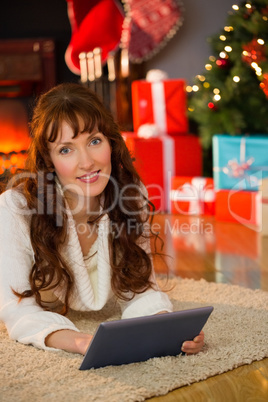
[201,78]
[228,49]
[249,10]
[212,58]
[217,97]
[235,7]
[223,55]
[257,68]
[236,78]
[194,88]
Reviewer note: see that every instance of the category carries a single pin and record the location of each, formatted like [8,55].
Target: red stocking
[94,23]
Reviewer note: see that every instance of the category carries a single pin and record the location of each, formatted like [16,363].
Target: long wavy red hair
[132,271]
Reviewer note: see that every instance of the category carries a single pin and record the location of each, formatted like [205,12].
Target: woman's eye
[95,141]
[64,151]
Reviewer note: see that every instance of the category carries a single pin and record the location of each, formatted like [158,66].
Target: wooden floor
[219,252]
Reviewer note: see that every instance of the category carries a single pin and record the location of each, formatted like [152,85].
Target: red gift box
[192,196]
[238,206]
[158,159]
[162,103]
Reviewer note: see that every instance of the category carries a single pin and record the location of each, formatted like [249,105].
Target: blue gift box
[239,162]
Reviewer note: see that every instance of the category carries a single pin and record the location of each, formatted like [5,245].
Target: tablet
[138,339]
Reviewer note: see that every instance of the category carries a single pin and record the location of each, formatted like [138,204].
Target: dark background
[25,19]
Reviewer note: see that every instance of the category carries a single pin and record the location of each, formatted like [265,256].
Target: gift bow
[195,193]
[240,170]
[236,169]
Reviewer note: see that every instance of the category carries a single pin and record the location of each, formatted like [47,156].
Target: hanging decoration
[94,24]
[149,25]
[223,63]
[142,28]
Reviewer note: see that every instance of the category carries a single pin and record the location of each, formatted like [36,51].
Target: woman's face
[82,164]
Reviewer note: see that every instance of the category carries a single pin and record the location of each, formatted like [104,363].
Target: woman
[74,227]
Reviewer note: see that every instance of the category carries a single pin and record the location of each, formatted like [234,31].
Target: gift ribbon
[193,193]
[159,106]
[168,155]
[239,170]
[205,194]
[168,167]
[188,194]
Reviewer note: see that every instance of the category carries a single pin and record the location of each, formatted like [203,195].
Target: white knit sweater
[26,321]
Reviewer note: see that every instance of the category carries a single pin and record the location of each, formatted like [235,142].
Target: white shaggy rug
[236,334]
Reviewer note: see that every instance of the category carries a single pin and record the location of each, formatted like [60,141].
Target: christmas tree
[231,96]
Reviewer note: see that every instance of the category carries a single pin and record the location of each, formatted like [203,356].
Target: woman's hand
[69,340]
[192,347]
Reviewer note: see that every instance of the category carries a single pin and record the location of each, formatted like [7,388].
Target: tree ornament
[253,52]
[212,106]
[264,84]
[248,12]
[223,63]
[264,11]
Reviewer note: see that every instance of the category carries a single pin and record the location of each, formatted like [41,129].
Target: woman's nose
[86,160]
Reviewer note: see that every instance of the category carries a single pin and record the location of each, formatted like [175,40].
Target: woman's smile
[90,177]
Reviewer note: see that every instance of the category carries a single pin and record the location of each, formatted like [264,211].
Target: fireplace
[27,68]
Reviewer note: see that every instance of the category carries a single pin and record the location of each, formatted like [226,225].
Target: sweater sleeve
[148,303]
[25,320]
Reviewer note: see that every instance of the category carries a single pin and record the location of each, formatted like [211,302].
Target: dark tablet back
[139,339]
